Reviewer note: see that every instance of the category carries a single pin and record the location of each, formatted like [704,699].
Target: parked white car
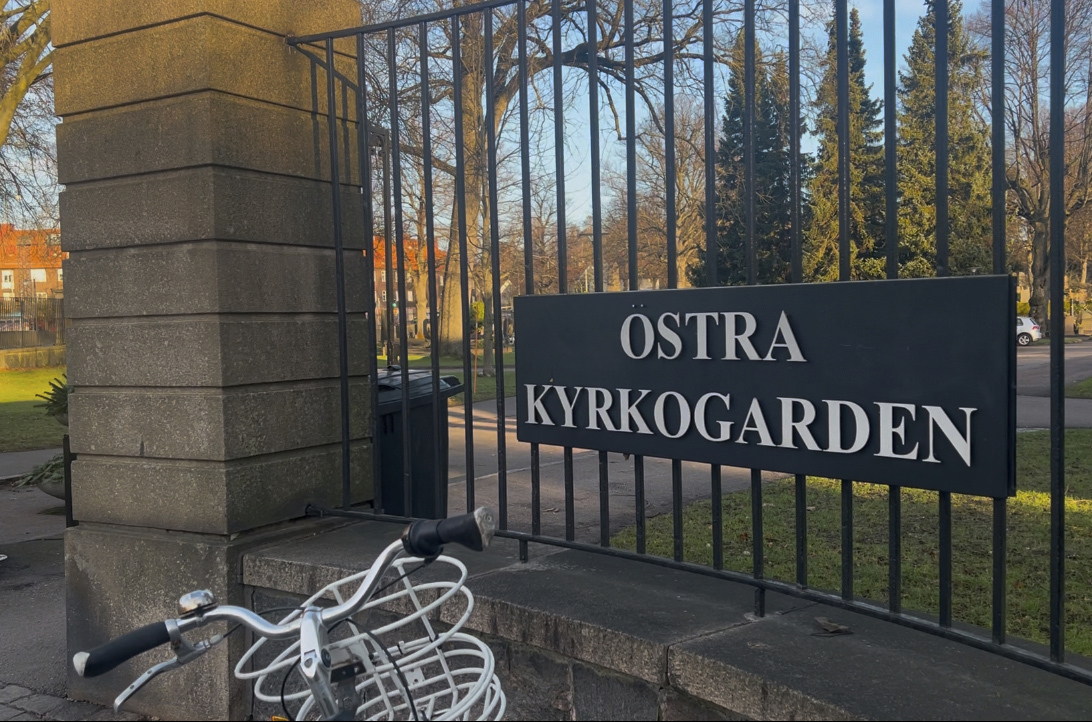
[1027,330]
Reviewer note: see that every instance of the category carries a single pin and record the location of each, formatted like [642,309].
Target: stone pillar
[203,344]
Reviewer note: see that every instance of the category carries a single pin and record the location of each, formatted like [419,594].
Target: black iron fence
[476,158]
[30,322]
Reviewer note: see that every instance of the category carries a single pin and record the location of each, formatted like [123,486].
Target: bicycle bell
[196,601]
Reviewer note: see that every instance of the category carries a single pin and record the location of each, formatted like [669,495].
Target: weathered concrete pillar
[201,291]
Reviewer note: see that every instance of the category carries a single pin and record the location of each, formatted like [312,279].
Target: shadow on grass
[1028,574]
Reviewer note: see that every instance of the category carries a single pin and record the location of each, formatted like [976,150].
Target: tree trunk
[1040,273]
[451,310]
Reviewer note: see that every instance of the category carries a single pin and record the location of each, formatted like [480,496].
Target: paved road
[1033,386]
[1033,367]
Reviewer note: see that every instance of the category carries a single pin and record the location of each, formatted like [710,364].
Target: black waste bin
[429,489]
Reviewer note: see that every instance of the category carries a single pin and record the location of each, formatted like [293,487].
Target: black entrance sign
[909,382]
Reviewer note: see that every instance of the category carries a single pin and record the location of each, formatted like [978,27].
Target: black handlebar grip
[426,539]
[102,659]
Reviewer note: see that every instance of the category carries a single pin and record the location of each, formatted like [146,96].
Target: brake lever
[185,652]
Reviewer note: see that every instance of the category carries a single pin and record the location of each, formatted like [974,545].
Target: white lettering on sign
[788,341]
[670,336]
[699,417]
[629,412]
[834,427]
[703,330]
[535,407]
[650,339]
[703,333]
[847,427]
[568,405]
[661,417]
[888,430]
[961,442]
[597,411]
[789,426]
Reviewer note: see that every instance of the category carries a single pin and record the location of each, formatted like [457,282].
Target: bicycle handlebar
[423,539]
[106,657]
[426,539]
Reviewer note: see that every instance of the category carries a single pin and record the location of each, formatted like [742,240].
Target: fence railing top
[400,22]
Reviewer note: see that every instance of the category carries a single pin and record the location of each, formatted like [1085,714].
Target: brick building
[30,263]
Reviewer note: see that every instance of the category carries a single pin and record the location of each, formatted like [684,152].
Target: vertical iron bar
[639,500]
[844,269]
[794,141]
[597,234]
[604,501]
[439,416]
[364,134]
[718,517]
[400,246]
[669,144]
[945,504]
[559,153]
[997,112]
[758,544]
[464,281]
[890,135]
[562,250]
[593,131]
[847,539]
[631,155]
[997,119]
[388,255]
[940,83]
[894,548]
[494,239]
[749,92]
[525,150]
[749,136]
[1057,330]
[801,529]
[631,244]
[66,450]
[801,496]
[339,272]
[528,240]
[570,511]
[712,247]
[1000,543]
[891,222]
[676,508]
[842,49]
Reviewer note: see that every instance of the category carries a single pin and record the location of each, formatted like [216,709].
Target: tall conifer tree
[969,179]
[866,188]
[773,158]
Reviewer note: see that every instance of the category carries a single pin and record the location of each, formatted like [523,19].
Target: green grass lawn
[417,361]
[1028,542]
[1080,390]
[22,426]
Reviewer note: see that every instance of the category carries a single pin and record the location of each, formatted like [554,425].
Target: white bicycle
[349,670]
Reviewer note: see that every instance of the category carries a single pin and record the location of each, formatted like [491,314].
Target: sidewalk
[16,463]
[1033,412]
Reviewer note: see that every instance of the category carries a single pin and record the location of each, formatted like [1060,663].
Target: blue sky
[578,174]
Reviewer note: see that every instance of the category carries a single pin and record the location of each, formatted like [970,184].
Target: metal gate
[539,82]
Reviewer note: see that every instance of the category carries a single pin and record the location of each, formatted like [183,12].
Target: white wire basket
[414,671]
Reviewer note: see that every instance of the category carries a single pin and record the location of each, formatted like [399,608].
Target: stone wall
[200,290]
